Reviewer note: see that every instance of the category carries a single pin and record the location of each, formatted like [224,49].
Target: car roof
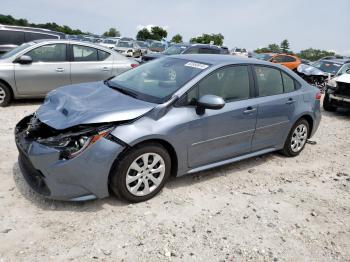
[220,59]
[337,60]
[70,41]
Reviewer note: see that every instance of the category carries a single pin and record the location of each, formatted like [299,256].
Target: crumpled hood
[345,78]
[310,70]
[89,103]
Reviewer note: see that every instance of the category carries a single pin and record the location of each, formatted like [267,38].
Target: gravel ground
[268,208]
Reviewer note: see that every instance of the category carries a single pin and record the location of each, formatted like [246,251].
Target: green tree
[314,54]
[271,48]
[285,46]
[156,33]
[177,38]
[218,39]
[112,32]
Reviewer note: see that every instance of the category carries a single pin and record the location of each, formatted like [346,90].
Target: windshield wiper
[121,90]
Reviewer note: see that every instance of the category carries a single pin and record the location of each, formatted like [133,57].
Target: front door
[222,134]
[49,70]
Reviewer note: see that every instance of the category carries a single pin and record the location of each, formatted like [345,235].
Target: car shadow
[26,102]
[340,113]
[47,204]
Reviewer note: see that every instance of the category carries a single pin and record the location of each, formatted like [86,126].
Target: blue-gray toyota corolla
[173,116]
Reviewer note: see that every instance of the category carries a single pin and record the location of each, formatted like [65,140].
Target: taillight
[134,65]
[318,96]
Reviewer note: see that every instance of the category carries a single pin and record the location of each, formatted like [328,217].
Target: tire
[5,95]
[327,104]
[131,166]
[291,146]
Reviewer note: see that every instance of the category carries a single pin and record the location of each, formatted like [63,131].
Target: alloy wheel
[299,138]
[2,95]
[145,174]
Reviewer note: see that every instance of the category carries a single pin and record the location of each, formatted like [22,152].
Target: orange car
[290,61]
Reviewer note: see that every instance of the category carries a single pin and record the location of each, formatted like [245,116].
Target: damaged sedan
[172,116]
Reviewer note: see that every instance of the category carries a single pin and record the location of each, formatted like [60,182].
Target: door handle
[249,110]
[105,68]
[59,69]
[290,101]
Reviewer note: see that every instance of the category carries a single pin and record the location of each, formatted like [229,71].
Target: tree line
[159,33]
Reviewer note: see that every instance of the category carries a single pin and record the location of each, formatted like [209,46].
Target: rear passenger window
[84,53]
[35,36]
[11,37]
[269,81]
[102,55]
[288,83]
[289,59]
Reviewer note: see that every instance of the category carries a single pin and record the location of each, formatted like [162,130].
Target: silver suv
[33,69]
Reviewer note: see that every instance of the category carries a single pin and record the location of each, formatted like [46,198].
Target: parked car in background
[184,48]
[144,47]
[13,36]
[239,51]
[290,61]
[319,72]
[334,57]
[224,50]
[305,61]
[263,56]
[337,93]
[33,69]
[109,42]
[157,47]
[159,119]
[128,48]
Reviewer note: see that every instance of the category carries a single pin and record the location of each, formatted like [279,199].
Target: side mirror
[348,71]
[209,102]
[24,60]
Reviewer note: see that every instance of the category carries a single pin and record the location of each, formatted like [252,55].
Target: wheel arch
[310,121]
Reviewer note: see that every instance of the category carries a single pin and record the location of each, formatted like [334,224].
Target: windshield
[328,67]
[124,44]
[263,56]
[109,41]
[175,50]
[157,80]
[16,50]
[142,44]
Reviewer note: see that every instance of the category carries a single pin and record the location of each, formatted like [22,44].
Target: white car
[109,42]
[239,51]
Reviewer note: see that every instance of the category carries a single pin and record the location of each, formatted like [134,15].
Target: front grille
[343,89]
[34,177]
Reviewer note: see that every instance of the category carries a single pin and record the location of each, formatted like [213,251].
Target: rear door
[90,64]
[50,69]
[277,101]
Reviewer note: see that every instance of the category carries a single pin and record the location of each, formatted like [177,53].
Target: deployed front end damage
[338,91]
[70,164]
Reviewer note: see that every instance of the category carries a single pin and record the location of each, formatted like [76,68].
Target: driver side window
[231,83]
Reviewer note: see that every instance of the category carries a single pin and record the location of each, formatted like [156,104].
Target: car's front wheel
[5,95]
[297,138]
[141,173]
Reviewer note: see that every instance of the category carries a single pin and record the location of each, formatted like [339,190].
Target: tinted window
[269,81]
[230,83]
[48,53]
[84,53]
[102,55]
[288,83]
[209,51]
[192,50]
[289,59]
[36,36]
[11,37]
[278,59]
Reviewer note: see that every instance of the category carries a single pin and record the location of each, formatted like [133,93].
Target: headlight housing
[72,144]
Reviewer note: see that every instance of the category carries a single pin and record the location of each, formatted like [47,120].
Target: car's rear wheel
[327,104]
[5,95]
[296,139]
[141,173]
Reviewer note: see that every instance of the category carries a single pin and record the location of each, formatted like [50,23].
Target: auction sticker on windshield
[196,65]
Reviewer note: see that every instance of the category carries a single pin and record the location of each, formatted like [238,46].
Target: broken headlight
[72,144]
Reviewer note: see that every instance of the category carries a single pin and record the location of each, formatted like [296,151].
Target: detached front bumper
[81,178]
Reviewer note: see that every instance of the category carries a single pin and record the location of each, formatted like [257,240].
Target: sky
[320,24]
